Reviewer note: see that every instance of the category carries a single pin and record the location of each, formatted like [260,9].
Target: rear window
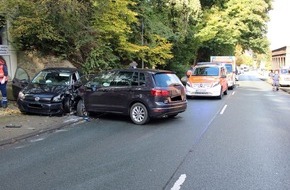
[166,79]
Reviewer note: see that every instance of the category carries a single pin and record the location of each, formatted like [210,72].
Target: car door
[121,92]
[20,80]
[110,93]
[99,91]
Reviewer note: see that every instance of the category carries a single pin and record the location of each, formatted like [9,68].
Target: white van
[284,79]
[231,75]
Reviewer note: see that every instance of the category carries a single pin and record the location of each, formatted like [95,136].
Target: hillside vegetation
[169,34]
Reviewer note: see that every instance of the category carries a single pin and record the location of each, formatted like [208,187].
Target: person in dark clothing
[3,82]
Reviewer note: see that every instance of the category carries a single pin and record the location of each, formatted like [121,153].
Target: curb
[42,131]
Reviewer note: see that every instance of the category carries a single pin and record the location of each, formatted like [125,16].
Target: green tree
[233,23]
[170,34]
[250,19]
[152,32]
[57,27]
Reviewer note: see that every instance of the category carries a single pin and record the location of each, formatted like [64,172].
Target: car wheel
[67,106]
[81,110]
[139,114]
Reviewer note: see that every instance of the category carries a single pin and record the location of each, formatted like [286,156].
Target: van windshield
[206,71]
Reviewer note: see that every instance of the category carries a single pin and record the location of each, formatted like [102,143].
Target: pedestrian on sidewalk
[3,82]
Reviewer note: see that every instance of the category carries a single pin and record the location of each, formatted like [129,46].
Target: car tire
[67,106]
[81,110]
[139,114]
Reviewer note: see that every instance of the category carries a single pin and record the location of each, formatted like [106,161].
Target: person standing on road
[271,74]
[275,78]
[3,82]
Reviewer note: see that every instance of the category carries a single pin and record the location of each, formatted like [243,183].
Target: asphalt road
[239,142]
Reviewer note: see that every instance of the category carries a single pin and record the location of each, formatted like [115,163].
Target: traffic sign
[4,50]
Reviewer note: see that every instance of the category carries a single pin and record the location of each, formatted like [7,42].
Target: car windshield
[166,79]
[52,78]
[229,68]
[206,71]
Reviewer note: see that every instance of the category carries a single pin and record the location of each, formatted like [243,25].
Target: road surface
[239,142]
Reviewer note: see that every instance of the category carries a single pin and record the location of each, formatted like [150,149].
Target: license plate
[200,90]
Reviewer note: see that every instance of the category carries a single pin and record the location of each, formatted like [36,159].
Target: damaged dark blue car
[51,92]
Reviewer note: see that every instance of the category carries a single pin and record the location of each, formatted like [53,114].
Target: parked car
[51,92]
[284,76]
[207,79]
[140,93]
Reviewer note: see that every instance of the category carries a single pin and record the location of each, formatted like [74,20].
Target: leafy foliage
[104,34]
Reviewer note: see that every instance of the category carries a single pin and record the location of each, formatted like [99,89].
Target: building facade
[7,51]
[281,57]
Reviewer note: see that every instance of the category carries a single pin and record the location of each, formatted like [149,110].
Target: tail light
[159,92]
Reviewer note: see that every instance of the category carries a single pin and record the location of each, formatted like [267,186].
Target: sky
[279,25]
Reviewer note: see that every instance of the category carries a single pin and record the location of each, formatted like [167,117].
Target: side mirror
[24,82]
[93,87]
[184,80]
[77,84]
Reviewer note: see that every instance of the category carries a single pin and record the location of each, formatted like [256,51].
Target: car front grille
[37,99]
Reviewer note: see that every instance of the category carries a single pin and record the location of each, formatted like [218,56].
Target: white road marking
[223,110]
[179,182]
[61,130]
[23,146]
[36,140]
[233,93]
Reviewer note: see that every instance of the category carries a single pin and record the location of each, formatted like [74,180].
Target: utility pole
[142,38]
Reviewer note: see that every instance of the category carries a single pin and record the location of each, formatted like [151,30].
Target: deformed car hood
[44,89]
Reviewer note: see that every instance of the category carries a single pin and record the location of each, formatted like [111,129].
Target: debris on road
[13,126]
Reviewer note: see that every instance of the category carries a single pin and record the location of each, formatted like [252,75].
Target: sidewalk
[15,126]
